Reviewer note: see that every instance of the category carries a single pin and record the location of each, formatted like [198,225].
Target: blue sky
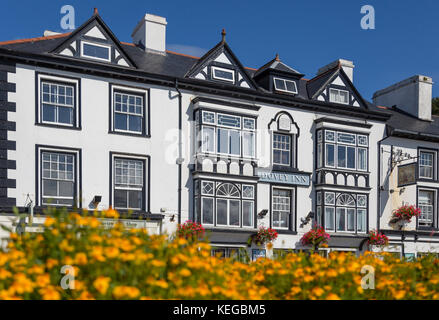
[306,34]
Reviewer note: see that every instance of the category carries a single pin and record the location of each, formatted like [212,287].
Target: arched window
[227,190]
[345,200]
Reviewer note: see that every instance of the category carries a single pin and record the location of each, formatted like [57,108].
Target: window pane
[281,208]
[208,117]
[96,51]
[235,145]
[277,157]
[362,159]
[247,213]
[248,141]
[223,141]
[135,199]
[65,115]
[341,157]
[208,143]
[330,156]
[291,86]
[351,158]
[50,188]
[341,216]
[65,189]
[361,220]
[426,204]
[248,192]
[234,212]
[207,206]
[120,199]
[279,84]
[221,212]
[329,218]
[351,219]
[120,121]
[229,121]
[135,123]
[48,113]
[223,74]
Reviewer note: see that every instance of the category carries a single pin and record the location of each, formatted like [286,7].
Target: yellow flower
[332,296]
[185,272]
[85,295]
[49,293]
[43,280]
[157,263]
[399,294]
[49,221]
[101,284]
[81,258]
[94,223]
[161,283]
[4,274]
[111,252]
[22,284]
[295,290]
[126,292]
[331,273]
[111,213]
[318,291]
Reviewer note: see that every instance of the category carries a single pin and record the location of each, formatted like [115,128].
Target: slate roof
[277,65]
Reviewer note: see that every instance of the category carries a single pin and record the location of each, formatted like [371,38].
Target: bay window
[225,204]
[342,212]
[226,134]
[342,150]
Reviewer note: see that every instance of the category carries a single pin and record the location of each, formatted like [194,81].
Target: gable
[220,65]
[339,89]
[94,41]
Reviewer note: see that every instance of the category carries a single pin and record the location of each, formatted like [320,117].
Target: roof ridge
[56,36]
[324,73]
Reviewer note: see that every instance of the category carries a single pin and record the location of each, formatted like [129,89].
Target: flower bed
[315,237]
[130,264]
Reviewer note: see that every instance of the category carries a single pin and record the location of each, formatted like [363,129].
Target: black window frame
[136,91]
[58,79]
[146,160]
[77,188]
[292,221]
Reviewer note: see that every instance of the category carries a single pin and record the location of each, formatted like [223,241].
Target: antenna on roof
[95,11]
[223,35]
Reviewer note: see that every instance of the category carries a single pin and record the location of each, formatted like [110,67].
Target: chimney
[150,33]
[412,95]
[348,67]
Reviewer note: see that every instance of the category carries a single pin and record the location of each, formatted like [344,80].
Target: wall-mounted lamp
[306,220]
[263,213]
[96,200]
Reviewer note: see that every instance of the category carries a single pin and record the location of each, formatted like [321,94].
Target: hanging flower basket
[190,231]
[316,237]
[404,215]
[378,239]
[263,236]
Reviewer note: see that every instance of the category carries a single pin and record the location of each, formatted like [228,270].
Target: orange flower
[101,284]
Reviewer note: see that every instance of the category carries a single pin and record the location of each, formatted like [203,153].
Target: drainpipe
[380,152]
[179,160]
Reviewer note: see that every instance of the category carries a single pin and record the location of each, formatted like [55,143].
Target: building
[90,122]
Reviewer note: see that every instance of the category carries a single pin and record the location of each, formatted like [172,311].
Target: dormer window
[338,96]
[223,74]
[285,85]
[95,51]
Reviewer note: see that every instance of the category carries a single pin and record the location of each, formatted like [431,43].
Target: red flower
[190,230]
[315,237]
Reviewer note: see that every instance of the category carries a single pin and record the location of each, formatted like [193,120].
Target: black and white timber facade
[87,121]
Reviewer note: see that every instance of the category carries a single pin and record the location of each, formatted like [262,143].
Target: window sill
[342,169]
[130,134]
[280,168]
[57,126]
[283,231]
[427,180]
[230,229]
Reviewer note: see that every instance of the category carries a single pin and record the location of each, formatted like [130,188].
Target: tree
[435,106]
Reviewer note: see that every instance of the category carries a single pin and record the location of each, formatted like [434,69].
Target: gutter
[180,143]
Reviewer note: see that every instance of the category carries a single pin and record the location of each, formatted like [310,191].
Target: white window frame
[145,177]
[97,45]
[214,68]
[338,95]
[145,108]
[291,155]
[285,82]
[433,163]
[291,214]
[75,83]
[76,174]
[433,205]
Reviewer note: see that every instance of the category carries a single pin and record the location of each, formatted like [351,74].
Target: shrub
[130,264]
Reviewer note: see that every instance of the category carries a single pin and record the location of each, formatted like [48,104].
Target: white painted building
[90,122]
